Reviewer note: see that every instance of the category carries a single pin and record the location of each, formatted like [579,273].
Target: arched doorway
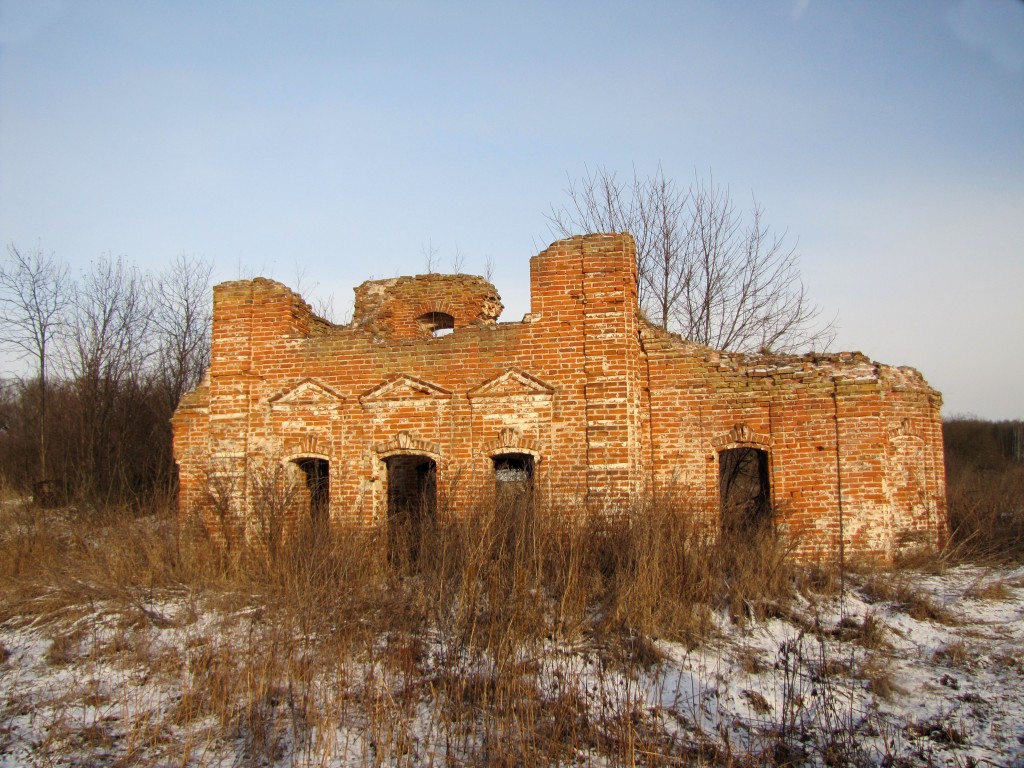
[514,500]
[317,473]
[412,503]
[744,490]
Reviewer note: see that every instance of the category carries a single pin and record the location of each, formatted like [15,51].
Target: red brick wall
[842,474]
[611,408]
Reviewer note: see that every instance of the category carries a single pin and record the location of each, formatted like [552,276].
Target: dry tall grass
[353,626]
[985,488]
[986,512]
[506,634]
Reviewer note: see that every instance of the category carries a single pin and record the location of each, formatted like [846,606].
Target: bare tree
[108,353]
[430,257]
[111,323]
[458,261]
[34,294]
[322,306]
[127,344]
[704,269]
[662,245]
[182,316]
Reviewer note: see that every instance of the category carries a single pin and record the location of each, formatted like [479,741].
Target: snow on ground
[901,669]
[896,683]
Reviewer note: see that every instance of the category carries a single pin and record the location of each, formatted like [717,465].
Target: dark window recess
[318,483]
[513,475]
[745,491]
[436,323]
[412,504]
[513,468]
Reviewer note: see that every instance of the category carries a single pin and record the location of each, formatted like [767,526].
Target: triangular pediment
[511,384]
[405,387]
[307,392]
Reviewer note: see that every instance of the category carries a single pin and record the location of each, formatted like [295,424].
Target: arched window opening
[436,323]
[412,504]
[745,490]
[318,483]
[513,476]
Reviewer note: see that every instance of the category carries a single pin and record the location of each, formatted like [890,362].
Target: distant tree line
[110,352]
[985,445]
[985,486]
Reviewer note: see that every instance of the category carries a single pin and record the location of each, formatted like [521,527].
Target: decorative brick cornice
[405,387]
[308,392]
[512,383]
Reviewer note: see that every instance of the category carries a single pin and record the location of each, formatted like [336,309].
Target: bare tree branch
[108,354]
[704,269]
[182,317]
[34,294]
[458,261]
[430,257]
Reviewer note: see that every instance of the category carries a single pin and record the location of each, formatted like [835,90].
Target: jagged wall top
[410,307]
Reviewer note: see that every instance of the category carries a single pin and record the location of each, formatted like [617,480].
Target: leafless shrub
[955,654]
[877,673]
[751,661]
[990,590]
[64,648]
[868,632]
[920,606]
[906,598]
[222,495]
[274,507]
[941,730]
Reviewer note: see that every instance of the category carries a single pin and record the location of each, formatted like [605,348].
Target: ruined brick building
[425,395]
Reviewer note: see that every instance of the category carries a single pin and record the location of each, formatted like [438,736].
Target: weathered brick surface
[610,408]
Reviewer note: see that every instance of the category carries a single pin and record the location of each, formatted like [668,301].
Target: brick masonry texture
[610,408]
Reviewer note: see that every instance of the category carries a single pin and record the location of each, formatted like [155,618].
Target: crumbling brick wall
[606,408]
[412,307]
[854,447]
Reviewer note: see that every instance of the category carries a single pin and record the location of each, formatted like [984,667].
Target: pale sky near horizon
[340,140]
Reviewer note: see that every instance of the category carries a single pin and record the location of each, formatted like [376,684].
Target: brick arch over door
[742,481]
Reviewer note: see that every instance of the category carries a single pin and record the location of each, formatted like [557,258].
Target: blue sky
[338,141]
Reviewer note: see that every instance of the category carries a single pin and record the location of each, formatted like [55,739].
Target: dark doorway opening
[412,504]
[513,501]
[743,482]
[318,483]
